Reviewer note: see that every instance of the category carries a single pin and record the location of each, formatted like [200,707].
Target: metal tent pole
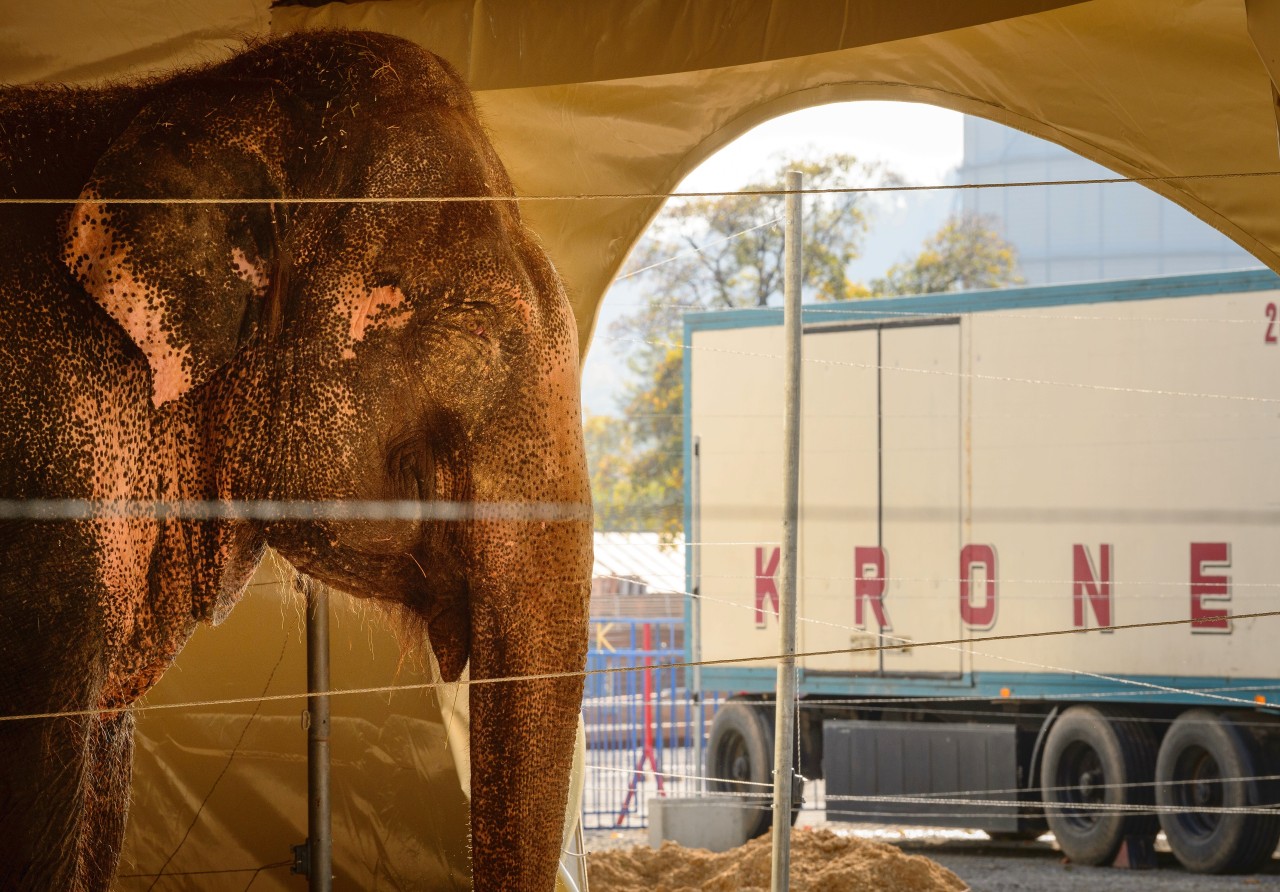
[314,858]
[695,612]
[784,728]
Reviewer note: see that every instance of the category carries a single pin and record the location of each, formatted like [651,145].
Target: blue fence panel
[642,722]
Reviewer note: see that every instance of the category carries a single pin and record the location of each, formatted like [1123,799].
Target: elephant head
[338,327]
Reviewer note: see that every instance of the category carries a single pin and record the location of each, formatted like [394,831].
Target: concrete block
[714,822]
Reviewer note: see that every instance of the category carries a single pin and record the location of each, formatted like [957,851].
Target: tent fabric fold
[1264,29]
[223,787]
[1147,88]
[619,97]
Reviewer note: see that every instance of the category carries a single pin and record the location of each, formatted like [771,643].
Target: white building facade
[1083,233]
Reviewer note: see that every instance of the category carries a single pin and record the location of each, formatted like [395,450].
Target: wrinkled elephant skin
[342,346]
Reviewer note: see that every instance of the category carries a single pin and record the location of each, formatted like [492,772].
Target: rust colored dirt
[821,861]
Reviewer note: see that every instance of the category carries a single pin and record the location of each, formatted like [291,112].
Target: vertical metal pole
[646,641]
[695,633]
[319,821]
[784,728]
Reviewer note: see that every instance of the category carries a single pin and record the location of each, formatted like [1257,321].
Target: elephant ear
[187,278]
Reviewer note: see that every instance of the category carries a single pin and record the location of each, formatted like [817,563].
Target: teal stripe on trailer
[1042,296]
[1170,689]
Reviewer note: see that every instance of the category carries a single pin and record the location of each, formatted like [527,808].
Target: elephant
[244,284]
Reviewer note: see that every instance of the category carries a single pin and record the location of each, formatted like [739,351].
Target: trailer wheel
[1207,761]
[740,760]
[1091,761]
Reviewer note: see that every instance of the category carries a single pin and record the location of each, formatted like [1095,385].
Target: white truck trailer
[1094,467]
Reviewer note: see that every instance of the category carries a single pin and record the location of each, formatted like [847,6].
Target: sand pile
[821,861]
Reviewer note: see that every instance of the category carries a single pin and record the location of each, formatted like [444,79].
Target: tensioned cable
[616,196]
[695,250]
[974,798]
[1050,805]
[552,676]
[899,643]
[773,542]
[75,509]
[1017,596]
[163,871]
[193,873]
[1003,580]
[870,189]
[948,416]
[951,797]
[906,703]
[854,306]
[976,376]
[915,704]
[941,796]
[993,449]
[1081,808]
[1013,514]
[267,510]
[970,798]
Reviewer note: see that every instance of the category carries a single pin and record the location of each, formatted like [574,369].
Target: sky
[921,142]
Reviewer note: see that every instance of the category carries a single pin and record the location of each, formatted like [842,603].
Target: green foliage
[727,251]
[636,461]
[964,255]
[704,253]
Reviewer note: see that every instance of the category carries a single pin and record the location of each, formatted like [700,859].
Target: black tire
[740,759]
[1092,758]
[1203,761]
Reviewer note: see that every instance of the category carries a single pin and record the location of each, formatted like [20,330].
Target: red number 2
[1271,325]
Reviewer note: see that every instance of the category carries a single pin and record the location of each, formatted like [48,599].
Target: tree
[726,251]
[702,253]
[965,254]
[631,486]
[716,252]
[610,452]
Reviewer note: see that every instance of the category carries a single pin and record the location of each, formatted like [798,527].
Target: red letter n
[868,585]
[1093,585]
[1204,556]
[766,584]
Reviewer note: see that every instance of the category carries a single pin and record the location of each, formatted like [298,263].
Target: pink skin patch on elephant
[252,271]
[525,310]
[370,309]
[105,270]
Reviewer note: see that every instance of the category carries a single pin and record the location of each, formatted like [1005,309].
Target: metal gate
[643,726]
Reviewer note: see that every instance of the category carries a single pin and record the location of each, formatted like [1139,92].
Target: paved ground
[1009,867]
[1005,867]
[985,865]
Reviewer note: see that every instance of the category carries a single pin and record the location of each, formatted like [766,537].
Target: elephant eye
[474,317]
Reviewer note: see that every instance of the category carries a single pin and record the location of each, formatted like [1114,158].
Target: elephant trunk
[529,612]
[523,732]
